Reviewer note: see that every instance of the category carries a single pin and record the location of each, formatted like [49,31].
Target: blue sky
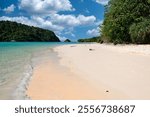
[73,19]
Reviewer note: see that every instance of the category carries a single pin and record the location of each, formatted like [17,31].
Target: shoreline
[94,71]
[36,59]
[20,92]
[51,81]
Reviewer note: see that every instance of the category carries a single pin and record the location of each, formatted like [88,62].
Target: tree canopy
[127,21]
[12,31]
[93,39]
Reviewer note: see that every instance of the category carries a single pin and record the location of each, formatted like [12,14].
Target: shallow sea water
[17,60]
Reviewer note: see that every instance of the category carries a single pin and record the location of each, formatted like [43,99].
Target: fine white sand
[53,81]
[119,72]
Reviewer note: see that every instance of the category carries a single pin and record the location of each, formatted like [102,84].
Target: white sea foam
[20,92]
[17,61]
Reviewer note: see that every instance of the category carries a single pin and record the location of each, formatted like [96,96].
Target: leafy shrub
[140,32]
[126,21]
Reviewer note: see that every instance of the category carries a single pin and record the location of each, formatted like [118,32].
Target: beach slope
[94,71]
[123,70]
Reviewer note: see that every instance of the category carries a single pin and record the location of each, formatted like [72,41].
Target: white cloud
[71,20]
[99,22]
[94,32]
[62,38]
[57,23]
[103,2]
[65,20]
[9,9]
[21,19]
[34,21]
[44,14]
[45,6]
[47,24]
[69,33]
[86,20]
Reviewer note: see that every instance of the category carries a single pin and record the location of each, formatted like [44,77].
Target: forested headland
[93,39]
[12,31]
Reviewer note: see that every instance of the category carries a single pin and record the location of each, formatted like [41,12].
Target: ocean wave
[20,92]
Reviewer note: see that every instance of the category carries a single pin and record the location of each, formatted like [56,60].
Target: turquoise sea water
[16,64]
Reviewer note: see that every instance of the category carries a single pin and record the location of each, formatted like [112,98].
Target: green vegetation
[67,40]
[93,39]
[127,21]
[12,31]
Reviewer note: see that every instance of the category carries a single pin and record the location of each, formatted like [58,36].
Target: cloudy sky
[73,19]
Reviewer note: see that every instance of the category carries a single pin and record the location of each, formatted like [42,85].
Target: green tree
[19,32]
[123,18]
[140,32]
[93,39]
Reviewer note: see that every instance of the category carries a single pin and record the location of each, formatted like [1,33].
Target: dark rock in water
[67,40]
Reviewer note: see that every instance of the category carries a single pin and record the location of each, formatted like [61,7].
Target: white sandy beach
[105,72]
